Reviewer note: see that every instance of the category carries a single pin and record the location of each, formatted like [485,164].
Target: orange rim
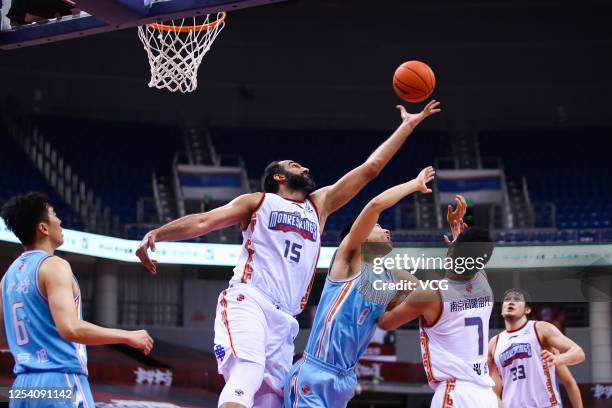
[186,29]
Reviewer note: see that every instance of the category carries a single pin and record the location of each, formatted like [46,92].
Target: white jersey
[280,251]
[527,381]
[455,347]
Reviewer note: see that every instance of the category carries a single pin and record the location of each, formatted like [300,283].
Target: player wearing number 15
[454,323]
[40,306]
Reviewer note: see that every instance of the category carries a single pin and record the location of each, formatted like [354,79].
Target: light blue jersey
[32,336]
[345,322]
[346,318]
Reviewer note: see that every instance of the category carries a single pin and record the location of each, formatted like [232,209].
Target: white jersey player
[454,323]
[522,366]
[282,228]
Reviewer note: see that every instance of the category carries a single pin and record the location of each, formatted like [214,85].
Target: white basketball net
[175,50]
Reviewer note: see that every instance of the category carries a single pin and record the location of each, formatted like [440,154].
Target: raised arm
[237,211]
[330,198]
[551,337]
[56,281]
[369,215]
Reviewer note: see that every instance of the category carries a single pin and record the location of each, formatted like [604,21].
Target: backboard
[99,16]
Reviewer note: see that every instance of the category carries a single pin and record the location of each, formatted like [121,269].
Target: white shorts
[250,327]
[463,394]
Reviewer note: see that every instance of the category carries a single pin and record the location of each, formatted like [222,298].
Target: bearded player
[255,325]
[454,323]
[522,359]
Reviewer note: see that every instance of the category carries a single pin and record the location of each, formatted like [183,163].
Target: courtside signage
[189,253]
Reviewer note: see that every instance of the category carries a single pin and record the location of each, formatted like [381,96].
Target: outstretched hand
[457,227]
[415,118]
[454,217]
[458,213]
[142,252]
[424,177]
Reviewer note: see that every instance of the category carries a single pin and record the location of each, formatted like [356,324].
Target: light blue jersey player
[40,308]
[349,308]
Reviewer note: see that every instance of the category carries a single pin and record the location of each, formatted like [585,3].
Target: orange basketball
[414,81]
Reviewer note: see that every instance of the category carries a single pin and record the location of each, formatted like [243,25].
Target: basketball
[414,81]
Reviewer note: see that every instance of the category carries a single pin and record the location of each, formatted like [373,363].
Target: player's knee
[242,382]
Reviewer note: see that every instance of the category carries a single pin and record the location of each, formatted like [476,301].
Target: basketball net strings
[174,56]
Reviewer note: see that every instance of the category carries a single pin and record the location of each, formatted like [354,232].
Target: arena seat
[124,156]
[14,162]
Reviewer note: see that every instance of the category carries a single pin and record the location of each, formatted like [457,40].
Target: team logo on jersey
[219,352]
[364,313]
[42,356]
[305,389]
[23,358]
[240,297]
[516,351]
[239,393]
[287,221]
[309,208]
[11,284]
[23,286]
[469,287]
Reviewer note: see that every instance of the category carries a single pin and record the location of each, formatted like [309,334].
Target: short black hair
[474,243]
[268,183]
[22,213]
[518,291]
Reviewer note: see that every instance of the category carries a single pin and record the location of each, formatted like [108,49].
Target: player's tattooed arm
[328,199]
[550,337]
[56,283]
[368,217]
[237,211]
[493,372]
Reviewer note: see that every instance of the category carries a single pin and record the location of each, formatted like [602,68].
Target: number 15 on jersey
[292,251]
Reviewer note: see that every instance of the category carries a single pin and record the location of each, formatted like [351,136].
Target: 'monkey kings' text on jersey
[31,333]
[280,251]
[527,380]
[455,346]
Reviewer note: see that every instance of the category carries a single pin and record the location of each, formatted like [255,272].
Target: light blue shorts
[314,383]
[51,381]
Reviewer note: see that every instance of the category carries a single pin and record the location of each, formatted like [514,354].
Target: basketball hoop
[176,49]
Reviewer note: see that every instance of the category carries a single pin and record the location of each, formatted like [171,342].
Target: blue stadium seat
[115,159]
[20,176]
